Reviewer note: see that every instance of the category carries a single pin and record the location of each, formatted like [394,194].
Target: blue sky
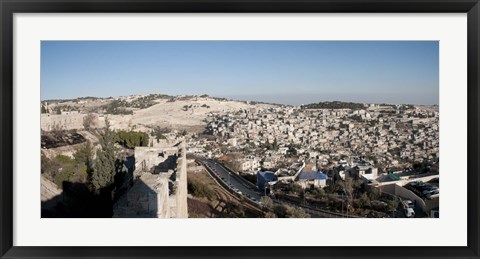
[291,72]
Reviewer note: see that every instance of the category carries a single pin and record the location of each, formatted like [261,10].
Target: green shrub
[132,139]
[199,189]
[64,159]
[158,132]
[62,176]
[117,107]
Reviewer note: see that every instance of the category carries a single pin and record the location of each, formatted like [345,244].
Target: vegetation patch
[132,139]
[60,138]
[199,189]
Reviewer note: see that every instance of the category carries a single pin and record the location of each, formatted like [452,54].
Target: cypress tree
[104,169]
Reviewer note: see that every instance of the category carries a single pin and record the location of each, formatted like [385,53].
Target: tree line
[334,105]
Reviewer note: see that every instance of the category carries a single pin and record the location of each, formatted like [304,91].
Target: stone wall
[145,199]
[162,194]
[404,193]
[145,159]
[181,182]
[71,121]
[407,180]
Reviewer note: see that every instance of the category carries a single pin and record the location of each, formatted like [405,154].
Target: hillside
[176,113]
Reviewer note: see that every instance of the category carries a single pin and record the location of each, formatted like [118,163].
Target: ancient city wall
[146,158]
[152,195]
[145,199]
[181,182]
[70,121]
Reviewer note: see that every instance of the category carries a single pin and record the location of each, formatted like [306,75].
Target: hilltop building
[316,179]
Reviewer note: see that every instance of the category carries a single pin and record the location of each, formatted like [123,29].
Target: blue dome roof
[312,175]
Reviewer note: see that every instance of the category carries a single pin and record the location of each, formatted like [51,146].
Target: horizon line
[232,98]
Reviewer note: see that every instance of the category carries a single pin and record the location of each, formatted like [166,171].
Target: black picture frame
[9,7]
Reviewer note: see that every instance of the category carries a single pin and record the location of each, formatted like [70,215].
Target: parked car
[409,212]
[436,191]
[426,191]
[433,194]
[408,204]
[421,184]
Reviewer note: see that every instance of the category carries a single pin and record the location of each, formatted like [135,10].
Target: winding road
[232,180]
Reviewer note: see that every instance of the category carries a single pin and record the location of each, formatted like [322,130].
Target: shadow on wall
[143,201]
[164,166]
[77,201]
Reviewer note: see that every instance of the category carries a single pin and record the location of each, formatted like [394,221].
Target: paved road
[232,180]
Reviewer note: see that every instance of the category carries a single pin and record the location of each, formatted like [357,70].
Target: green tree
[318,193]
[301,195]
[121,171]
[335,187]
[84,155]
[294,189]
[159,132]
[43,110]
[132,139]
[374,193]
[295,212]
[286,211]
[117,107]
[104,169]
[392,205]
[363,201]
[280,211]
[348,189]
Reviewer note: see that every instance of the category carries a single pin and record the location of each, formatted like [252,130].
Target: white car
[433,194]
[430,190]
[409,212]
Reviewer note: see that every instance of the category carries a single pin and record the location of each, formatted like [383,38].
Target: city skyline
[285,72]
